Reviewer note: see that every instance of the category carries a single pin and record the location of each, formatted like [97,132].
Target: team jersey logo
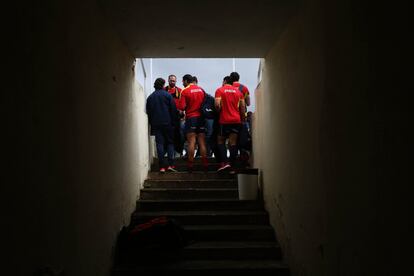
[196,90]
[229,91]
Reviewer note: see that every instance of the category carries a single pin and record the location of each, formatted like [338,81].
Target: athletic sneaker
[171,169]
[162,170]
[223,166]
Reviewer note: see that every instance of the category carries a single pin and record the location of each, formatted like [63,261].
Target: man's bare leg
[191,138]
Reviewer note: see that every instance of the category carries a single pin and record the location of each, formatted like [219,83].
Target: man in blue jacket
[162,114]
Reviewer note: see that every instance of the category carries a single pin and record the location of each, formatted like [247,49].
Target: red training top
[191,99]
[176,93]
[244,91]
[230,101]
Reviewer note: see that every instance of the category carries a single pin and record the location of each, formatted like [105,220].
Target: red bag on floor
[159,232]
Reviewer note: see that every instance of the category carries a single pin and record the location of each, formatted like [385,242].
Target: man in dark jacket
[162,114]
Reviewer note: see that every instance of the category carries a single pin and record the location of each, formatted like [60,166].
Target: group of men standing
[177,114]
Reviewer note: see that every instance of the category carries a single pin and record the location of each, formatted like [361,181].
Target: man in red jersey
[243,135]
[173,89]
[235,77]
[192,97]
[230,103]
[175,92]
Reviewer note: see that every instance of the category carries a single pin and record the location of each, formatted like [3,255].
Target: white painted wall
[142,133]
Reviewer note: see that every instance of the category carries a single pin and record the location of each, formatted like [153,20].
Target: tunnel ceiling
[198,28]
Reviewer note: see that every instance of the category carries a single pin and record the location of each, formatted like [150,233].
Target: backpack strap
[241,90]
[205,97]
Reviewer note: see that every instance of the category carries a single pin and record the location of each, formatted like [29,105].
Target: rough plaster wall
[322,129]
[364,140]
[293,82]
[82,142]
[256,157]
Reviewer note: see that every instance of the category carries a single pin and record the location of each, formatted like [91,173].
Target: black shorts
[195,124]
[226,129]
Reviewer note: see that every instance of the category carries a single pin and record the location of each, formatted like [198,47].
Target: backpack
[151,239]
[207,108]
[159,232]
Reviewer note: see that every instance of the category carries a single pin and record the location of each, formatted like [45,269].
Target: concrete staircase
[227,235]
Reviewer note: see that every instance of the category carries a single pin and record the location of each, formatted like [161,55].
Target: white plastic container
[248,184]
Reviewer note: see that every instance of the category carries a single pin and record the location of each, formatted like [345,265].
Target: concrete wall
[82,141]
[329,145]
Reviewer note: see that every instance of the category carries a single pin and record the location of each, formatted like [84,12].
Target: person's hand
[243,117]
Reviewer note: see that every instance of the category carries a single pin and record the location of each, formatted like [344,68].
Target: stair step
[205,217]
[199,205]
[188,193]
[215,250]
[181,161]
[206,267]
[183,167]
[230,232]
[185,183]
[212,250]
[189,176]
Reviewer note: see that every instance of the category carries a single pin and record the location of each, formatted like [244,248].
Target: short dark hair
[227,80]
[195,79]
[235,76]
[159,83]
[172,76]
[188,78]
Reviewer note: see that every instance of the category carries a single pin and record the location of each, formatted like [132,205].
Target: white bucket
[248,184]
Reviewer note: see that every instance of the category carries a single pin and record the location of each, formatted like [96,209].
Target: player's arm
[242,109]
[247,96]
[217,100]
